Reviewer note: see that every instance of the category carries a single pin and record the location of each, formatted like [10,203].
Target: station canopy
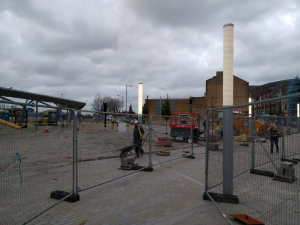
[44,99]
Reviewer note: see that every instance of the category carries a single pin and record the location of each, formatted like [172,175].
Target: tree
[98,103]
[166,111]
[130,110]
[145,110]
[113,104]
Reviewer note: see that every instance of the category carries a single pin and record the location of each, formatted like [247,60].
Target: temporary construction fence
[265,184]
[73,155]
[34,161]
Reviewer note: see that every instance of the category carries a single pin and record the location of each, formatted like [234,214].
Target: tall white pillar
[228,65]
[298,114]
[250,108]
[140,102]
[228,113]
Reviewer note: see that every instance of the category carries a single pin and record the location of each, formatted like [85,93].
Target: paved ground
[171,194]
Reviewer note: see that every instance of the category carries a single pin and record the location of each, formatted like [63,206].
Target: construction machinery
[185,125]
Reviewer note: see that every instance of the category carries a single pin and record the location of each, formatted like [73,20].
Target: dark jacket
[274,132]
[136,133]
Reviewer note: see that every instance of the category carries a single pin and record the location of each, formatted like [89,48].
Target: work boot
[271,150]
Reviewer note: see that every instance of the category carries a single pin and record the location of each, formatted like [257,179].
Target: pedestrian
[113,122]
[138,133]
[274,133]
[204,123]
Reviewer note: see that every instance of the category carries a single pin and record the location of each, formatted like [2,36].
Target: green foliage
[130,110]
[166,109]
[145,109]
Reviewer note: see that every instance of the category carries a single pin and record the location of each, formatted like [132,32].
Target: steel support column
[75,169]
[228,151]
[150,143]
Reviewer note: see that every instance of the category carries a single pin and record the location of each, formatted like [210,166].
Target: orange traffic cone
[47,130]
[77,127]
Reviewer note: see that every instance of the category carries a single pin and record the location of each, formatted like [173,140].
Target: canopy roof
[8,92]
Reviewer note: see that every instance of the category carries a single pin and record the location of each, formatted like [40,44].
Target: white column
[250,108]
[140,102]
[228,65]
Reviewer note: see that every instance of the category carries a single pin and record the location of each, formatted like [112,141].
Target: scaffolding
[294,87]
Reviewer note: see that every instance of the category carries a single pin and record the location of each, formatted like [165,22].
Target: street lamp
[62,95]
[122,101]
[126,96]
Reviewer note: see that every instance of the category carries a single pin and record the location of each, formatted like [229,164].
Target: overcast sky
[81,48]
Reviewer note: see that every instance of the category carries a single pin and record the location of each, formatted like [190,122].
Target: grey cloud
[80,49]
[203,13]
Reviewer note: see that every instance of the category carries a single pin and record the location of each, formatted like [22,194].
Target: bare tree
[113,104]
[98,103]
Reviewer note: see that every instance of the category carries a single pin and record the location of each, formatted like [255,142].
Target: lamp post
[122,101]
[62,95]
[126,96]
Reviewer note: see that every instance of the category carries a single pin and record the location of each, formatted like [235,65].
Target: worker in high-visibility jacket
[138,133]
[113,122]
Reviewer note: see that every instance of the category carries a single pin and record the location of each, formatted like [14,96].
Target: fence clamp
[18,159]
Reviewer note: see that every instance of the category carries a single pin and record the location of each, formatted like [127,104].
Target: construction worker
[138,133]
[113,122]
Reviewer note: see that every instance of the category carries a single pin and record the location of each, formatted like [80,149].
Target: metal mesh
[99,149]
[272,201]
[33,163]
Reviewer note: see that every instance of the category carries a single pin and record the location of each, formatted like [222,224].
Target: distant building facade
[279,107]
[213,98]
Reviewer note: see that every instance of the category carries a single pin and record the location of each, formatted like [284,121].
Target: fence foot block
[61,194]
[244,144]
[148,169]
[262,172]
[289,160]
[234,199]
[188,156]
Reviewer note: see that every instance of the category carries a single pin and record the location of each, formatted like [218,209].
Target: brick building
[214,95]
[278,108]
[180,105]
[213,98]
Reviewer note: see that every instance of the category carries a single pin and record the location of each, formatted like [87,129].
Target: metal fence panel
[100,145]
[33,163]
[272,201]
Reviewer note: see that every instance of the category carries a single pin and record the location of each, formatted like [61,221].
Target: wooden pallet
[163,153]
